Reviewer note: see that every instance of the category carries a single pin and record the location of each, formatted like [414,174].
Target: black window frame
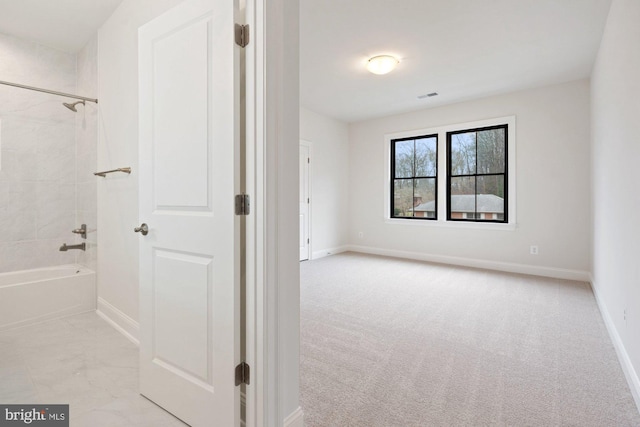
[505,174]
[393,177]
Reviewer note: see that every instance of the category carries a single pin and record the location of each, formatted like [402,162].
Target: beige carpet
[389,342]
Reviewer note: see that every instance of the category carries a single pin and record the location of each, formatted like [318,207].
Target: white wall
[329,173]
[615,158]
[118,147]
[552,192]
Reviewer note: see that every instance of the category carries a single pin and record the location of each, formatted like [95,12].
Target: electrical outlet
[361,235]
[533,250]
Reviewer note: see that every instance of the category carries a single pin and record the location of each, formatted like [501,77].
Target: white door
[189,260]
[304,202]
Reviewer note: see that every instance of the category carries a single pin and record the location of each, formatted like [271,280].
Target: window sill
[453,224]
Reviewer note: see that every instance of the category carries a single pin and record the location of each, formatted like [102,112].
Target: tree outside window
[414,169]
[477,174]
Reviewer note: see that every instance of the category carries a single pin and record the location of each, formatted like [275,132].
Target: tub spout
[65,247]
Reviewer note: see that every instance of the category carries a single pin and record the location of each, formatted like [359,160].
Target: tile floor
[81,361]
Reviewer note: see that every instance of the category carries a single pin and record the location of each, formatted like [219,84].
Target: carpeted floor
[389,342]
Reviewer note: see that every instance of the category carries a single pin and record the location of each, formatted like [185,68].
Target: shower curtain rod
[53,92]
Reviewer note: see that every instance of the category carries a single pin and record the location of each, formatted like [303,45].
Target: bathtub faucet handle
[82,231]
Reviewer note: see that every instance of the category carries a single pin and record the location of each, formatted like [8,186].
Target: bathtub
[32,296]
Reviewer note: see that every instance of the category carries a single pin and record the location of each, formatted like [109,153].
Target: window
[476,187]
[414,169]
[477,175]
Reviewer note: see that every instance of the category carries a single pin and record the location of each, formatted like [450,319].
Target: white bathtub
[32,296]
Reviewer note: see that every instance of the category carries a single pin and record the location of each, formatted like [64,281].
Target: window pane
[491,151]
[404,155]
[425,198]
[493,184]
[463,196]
[463,153]
[403,197]
[490,198]
[426,156]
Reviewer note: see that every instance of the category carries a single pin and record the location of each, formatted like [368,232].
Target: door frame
[309,146]
[272,266]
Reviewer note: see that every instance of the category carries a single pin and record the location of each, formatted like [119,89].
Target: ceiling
[461,49]
[62,24]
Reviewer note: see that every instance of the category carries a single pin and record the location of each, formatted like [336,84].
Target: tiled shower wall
[38,175]
[86,151]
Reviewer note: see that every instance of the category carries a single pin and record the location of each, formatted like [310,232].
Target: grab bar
[103,174]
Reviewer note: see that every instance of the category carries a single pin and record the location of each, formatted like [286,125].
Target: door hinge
[242,204]
[307,200]
[242,374]
[307,241]
[308,160]
[242,35]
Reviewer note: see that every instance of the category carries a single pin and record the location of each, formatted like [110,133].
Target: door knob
[144,229]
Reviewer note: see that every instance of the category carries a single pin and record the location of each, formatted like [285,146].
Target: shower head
[72,107]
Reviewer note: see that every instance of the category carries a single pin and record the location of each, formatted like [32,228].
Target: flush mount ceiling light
[382,64]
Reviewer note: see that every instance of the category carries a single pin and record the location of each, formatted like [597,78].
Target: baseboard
[120,321]
[558,273]
[327,252]
[627,367]
[295,419]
